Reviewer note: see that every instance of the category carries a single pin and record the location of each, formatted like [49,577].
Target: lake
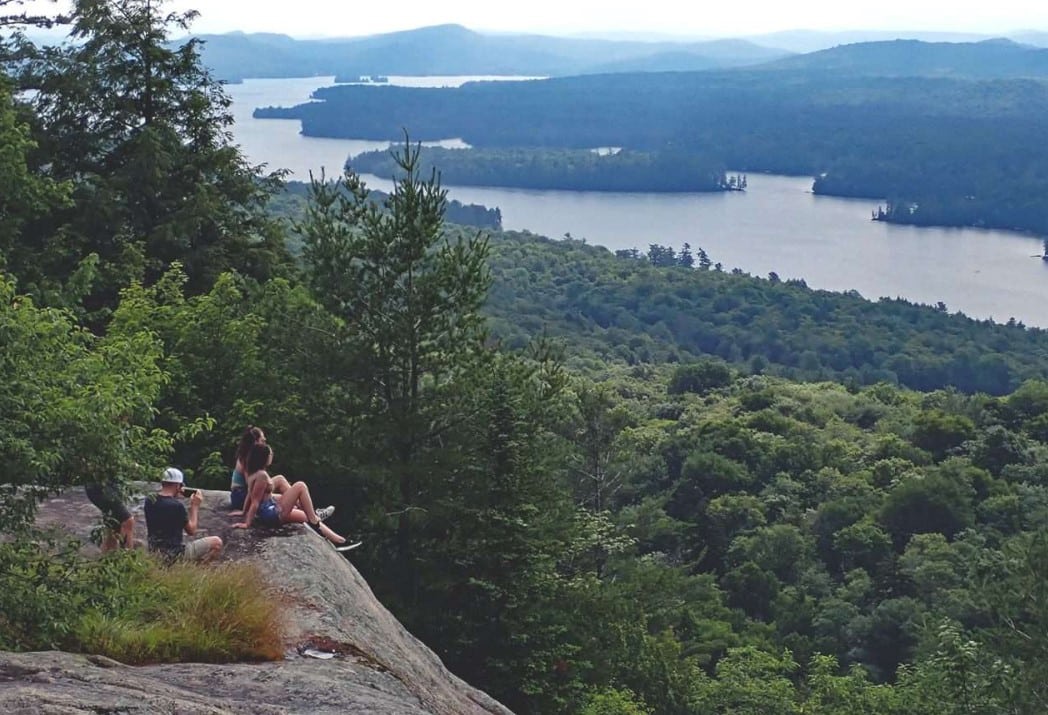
[777,224]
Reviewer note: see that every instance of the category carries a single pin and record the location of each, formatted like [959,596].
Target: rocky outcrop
[345,652]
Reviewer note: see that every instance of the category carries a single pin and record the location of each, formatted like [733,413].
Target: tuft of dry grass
[188,612]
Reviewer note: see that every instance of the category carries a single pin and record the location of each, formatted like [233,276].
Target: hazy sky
[343,18]
[704,17]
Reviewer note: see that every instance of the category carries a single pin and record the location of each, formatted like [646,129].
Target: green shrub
[130,607]
[614,702]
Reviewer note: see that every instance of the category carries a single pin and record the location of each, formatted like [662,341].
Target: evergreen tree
[685,258]
[595,428]
[141,130]
[24,195]
[498,524]
[704,260]
[410,296]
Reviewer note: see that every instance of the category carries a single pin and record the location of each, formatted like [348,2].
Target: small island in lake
[565,169]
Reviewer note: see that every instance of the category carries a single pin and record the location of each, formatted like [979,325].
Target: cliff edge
[345,653]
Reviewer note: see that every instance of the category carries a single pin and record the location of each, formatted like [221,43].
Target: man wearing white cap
[167,518]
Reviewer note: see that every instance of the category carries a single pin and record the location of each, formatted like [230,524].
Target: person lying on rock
[238,482]
[295,506]
[167,518]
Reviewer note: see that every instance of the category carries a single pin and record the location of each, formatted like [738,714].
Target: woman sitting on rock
[295,506]
[238,482]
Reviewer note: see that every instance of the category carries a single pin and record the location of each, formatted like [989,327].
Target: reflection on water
[776,225]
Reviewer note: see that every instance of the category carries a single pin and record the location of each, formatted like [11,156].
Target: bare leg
[127,530]
[297,516]
[109,541]
[214,548]
[280,484]
[203,550]
[297,495]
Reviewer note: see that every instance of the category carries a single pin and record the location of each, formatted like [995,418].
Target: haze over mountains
[453,49]
[456,50]
[988,59]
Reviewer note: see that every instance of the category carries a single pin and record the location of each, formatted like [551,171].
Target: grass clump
[130,607]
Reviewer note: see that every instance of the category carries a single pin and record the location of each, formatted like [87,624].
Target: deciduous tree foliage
[74,408]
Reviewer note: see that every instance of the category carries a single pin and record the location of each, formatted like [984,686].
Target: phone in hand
[187,492]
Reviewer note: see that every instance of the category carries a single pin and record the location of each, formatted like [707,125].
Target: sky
[699,18]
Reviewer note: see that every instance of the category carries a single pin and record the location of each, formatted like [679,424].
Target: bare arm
[194,507]
[256,488]
[247,487]
[248,501]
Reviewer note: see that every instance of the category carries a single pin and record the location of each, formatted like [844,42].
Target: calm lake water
[776,225]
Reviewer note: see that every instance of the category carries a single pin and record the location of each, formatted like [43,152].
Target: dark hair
[247,441]
[258,458]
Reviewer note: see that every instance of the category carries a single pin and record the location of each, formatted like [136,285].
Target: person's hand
[240,525]
[197,499]
[237,512]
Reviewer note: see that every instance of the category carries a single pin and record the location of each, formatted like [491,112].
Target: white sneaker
[325,513]
[348,547]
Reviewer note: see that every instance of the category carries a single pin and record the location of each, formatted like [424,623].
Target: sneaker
[315,527]
[325,513]
[348,547]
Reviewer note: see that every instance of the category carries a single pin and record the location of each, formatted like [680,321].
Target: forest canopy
[592,483]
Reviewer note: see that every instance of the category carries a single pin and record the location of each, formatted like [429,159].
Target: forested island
[565,169]
[959,151]
[593,483]
[291,202]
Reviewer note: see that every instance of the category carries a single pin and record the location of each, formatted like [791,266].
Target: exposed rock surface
[377,666]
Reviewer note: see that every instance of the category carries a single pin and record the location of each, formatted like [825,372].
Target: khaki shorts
[196,550]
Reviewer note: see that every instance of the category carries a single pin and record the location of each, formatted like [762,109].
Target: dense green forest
[997,58]
[956,151]
[649,308]
[573,170]
[563,488]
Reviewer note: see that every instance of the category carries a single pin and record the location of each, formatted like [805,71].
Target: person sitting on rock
[118,524]
[295,506]
[167,519]
[238,482]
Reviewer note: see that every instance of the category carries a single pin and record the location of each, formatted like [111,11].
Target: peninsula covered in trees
[956,150]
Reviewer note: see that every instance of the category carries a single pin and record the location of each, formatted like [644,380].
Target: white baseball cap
[173,476]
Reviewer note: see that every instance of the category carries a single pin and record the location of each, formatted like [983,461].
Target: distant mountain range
[989,59]
[804,41]
[456,50]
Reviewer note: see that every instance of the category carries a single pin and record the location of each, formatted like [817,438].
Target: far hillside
[989,59]
[456,50]
[658,307]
